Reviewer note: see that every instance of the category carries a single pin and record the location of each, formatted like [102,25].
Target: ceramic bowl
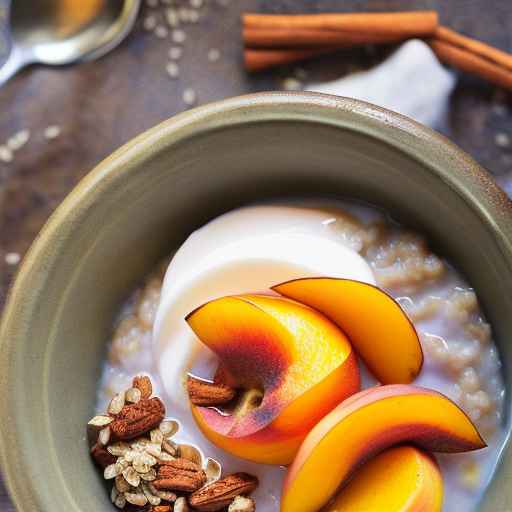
[142,201]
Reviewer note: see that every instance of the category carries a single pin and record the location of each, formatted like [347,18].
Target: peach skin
[293,363]
[401,479]
[378,328]
[364,425]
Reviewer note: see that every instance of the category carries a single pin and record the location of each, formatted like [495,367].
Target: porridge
[254,248]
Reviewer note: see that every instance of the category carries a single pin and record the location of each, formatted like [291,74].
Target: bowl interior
[145,199]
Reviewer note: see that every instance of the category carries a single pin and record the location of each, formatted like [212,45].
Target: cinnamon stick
[485,51]
[473,63]
[403,24]
[259,60]
[313,38]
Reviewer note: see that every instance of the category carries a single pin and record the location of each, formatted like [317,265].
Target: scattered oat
[196,4]
[172,18]
[52,132]
[172,69]
[175,52]
[193,16]
[502,140]
[12,258]
[161,32]
[292,84]
[152,3]
[18,140]
[213,54]
[178,36]
[150,22]
[189,97]
[5,154]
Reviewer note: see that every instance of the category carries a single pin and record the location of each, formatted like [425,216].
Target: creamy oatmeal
[460,357]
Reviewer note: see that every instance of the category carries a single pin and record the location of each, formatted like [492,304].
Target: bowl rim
[451,164]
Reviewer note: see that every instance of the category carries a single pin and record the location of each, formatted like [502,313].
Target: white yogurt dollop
[247,250]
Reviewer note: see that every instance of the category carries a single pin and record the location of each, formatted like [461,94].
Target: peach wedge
[293,363]
[401,479]
[378,328]
[364,425]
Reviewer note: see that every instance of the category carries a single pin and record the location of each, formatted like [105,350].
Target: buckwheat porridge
[251,249]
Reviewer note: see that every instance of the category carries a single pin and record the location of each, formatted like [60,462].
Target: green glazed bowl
[141,203]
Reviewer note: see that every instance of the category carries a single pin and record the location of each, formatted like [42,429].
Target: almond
[221,493]
[137,419]
[101,456]
[208,394]
[180,475]
[143,384]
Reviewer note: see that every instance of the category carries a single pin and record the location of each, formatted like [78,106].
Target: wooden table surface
[101,105]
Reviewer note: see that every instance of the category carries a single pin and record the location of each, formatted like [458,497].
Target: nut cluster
[150,472]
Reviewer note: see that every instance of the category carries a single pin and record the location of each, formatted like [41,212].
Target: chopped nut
[242,504]
[170,447]
[137,419]
[102,457]
[213,470]
[208,394]
[116,404]
[104,436]
[100,421]
[143,384]
[191,453]
[169,428]
[221,493]
[181,505]
[133,395]
[162,508]
[180,475]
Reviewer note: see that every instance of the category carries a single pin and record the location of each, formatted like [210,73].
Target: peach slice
[364,425]
[294,364]
[375,324]
[401,479]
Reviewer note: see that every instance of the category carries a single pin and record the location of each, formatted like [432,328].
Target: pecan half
[161,508]
[143,384]
[208,394]
[221,493]
[137,419]
[179,475]
[101,456]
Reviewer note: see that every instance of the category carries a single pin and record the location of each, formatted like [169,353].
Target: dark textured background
[100,105]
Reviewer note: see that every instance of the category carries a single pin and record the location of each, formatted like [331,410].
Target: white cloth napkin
[411,81]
